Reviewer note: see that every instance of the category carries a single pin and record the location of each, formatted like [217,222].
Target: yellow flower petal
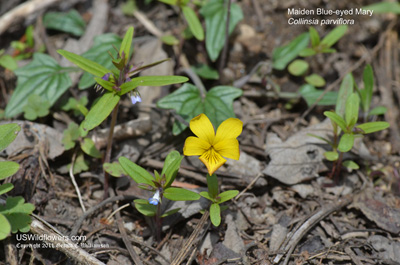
[212,160]
[202,128]
[195,146]
[228,148]
[230,128]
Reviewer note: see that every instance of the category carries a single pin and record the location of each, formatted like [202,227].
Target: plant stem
[226,44]
[158,222]
[337,168]
[108,149]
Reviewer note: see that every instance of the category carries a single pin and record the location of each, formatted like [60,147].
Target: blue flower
[155,200]
[136,98]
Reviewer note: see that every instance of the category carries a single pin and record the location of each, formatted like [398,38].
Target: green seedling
[7,61]
[14,212]
[70,22]
[25,47]
[116,82]
[160,185]
[345,129]
[36,107]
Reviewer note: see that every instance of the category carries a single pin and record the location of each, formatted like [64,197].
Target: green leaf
[281,56]
[193,22]
[215,214]
[17,213]
[170,2]
[89,148]
[114,169]
[100,111]
[179,194]
[336,119]
[298,67]
[307,52]
[170,212]
[331,155]
[366,93]
[70,135]
[80,164]
[384,7]
[6,187]
[8,132]
[8,168]
[169,40]
[315,80]
[5,227]
[187,102]
[311,94]
[126,44]
[378,111]
[346,142]
[100,53]
[137,173]
[226,195]
[158,80]
[85,64]
[319,137]
[70,22]
[206,195]
[333,36]
[374,126]
[351,164]
[345,90]
[8,62]
[212,184]
[314,36]
[36,107]
[215,16]
[352,107]
[171,167]
[145,209]
[43,77]
[206,71]
[79,107]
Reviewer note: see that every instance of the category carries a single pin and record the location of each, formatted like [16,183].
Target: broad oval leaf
[70,22]
[351,164]
[378,111]
[170,212]
[331,155]
[114,169]
[346,142]
[8,168]
[158,80]
[137,173]
[145,208]
[193,22]
[227,195]
[43,77]
[206,71]
[5,227]
[298,67]
[315,80]
[179,194]
[336,119]
[6,187]
[384,7]
[215,214]
[281,56]
[89,148]
[85,64]
[374,126]
[215,15]
[100,111]
[8,133]
[311,94]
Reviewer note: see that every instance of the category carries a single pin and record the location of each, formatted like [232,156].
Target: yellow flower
[213,147]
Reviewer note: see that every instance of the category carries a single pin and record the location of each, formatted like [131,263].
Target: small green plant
[14,213]
[70,22]
[345,129]
[211,148]
[117,82]
[159,184]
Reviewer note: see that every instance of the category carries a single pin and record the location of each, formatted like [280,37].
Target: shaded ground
[356,221]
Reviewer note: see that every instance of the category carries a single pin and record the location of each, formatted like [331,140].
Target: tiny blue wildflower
[105,77]
[136,98]
[155,200]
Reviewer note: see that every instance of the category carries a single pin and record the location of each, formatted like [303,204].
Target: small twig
[226,44]
[117,210]
[196,80]
[248,186]
[71,174]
